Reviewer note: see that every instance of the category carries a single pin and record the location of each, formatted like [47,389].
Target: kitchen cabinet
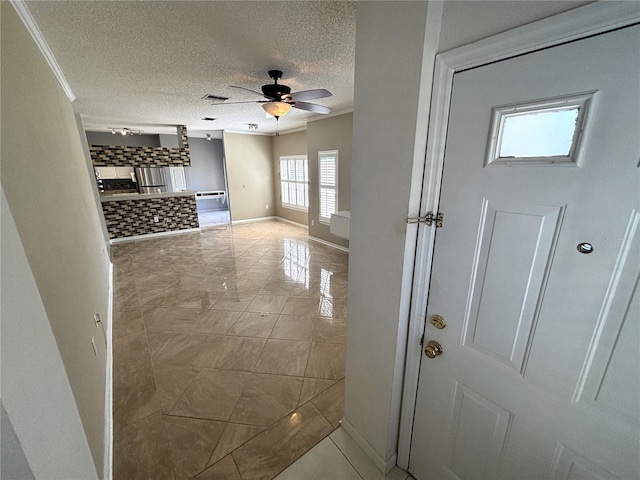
[124,172]
[107,173]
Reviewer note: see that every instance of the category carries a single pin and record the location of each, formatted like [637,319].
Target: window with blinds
[294,182]
[328,174]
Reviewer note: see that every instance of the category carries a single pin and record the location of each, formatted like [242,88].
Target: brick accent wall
[117,156]
[127,218]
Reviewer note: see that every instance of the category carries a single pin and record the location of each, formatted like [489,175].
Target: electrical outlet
[156,219]
[313,222]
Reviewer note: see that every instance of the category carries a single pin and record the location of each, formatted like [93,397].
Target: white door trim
[575,24]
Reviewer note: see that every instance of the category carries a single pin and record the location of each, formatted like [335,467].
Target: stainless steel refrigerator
[151,179]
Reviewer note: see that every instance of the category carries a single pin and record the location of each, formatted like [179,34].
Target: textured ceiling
[146,65]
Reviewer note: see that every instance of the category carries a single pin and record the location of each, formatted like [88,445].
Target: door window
[540,132]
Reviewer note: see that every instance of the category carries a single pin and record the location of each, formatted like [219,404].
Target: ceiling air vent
[215,98]
[208,119]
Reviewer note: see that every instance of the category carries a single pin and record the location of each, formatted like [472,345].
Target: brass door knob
[438,322]
[433,349]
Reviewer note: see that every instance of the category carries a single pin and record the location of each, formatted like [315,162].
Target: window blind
[294,182]
[328,192]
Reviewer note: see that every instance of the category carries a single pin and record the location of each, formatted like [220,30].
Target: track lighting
[125,131]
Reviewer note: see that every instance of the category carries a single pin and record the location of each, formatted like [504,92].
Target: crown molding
[246,132]
[293,130]
[25,15]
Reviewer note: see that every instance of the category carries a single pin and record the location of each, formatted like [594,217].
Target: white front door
[539,375]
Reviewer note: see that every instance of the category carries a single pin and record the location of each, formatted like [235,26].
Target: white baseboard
[108,413]
[292,222]
[252,220]
[329,244]
[380,463]
[147,236]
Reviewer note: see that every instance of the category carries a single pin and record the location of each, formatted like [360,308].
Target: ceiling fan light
[276,109]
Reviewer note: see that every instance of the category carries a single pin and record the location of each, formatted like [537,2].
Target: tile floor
[228,351]
[210,218]
[338,457]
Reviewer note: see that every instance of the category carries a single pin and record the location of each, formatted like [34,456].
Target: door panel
[480,428]
[538,378]
[572,466]
[613,391]
[610,377]
[515,241]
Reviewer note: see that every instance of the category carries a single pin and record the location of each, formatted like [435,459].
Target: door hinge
[429,219]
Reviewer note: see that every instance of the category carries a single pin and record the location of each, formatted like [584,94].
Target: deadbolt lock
[438,322]
[433,349]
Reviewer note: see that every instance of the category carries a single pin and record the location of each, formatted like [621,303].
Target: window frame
[581,101]
[321,154]
[291,206]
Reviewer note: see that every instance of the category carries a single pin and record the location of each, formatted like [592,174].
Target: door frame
[582,22]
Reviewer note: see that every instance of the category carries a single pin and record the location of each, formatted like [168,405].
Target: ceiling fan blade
[248,90]
[311,107]
[236,103]
[310,94]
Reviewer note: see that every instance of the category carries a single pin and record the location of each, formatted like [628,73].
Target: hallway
[228,351]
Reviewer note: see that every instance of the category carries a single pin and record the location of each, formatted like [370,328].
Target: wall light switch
[156,219]
[266,206]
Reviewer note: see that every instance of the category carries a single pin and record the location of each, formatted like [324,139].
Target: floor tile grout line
[249,371]
[345,457]
[155,389]
[182,394]
[234,460]
[155,392]
[310,401]
[213,450]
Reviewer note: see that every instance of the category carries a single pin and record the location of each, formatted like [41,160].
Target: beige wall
[333,133]
[36,392]
[48,188]
[383,155]
[249,175]
[288,144]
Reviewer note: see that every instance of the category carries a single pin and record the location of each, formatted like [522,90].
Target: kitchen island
[130,215]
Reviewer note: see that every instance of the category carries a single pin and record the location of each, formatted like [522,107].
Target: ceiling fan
[279,99]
